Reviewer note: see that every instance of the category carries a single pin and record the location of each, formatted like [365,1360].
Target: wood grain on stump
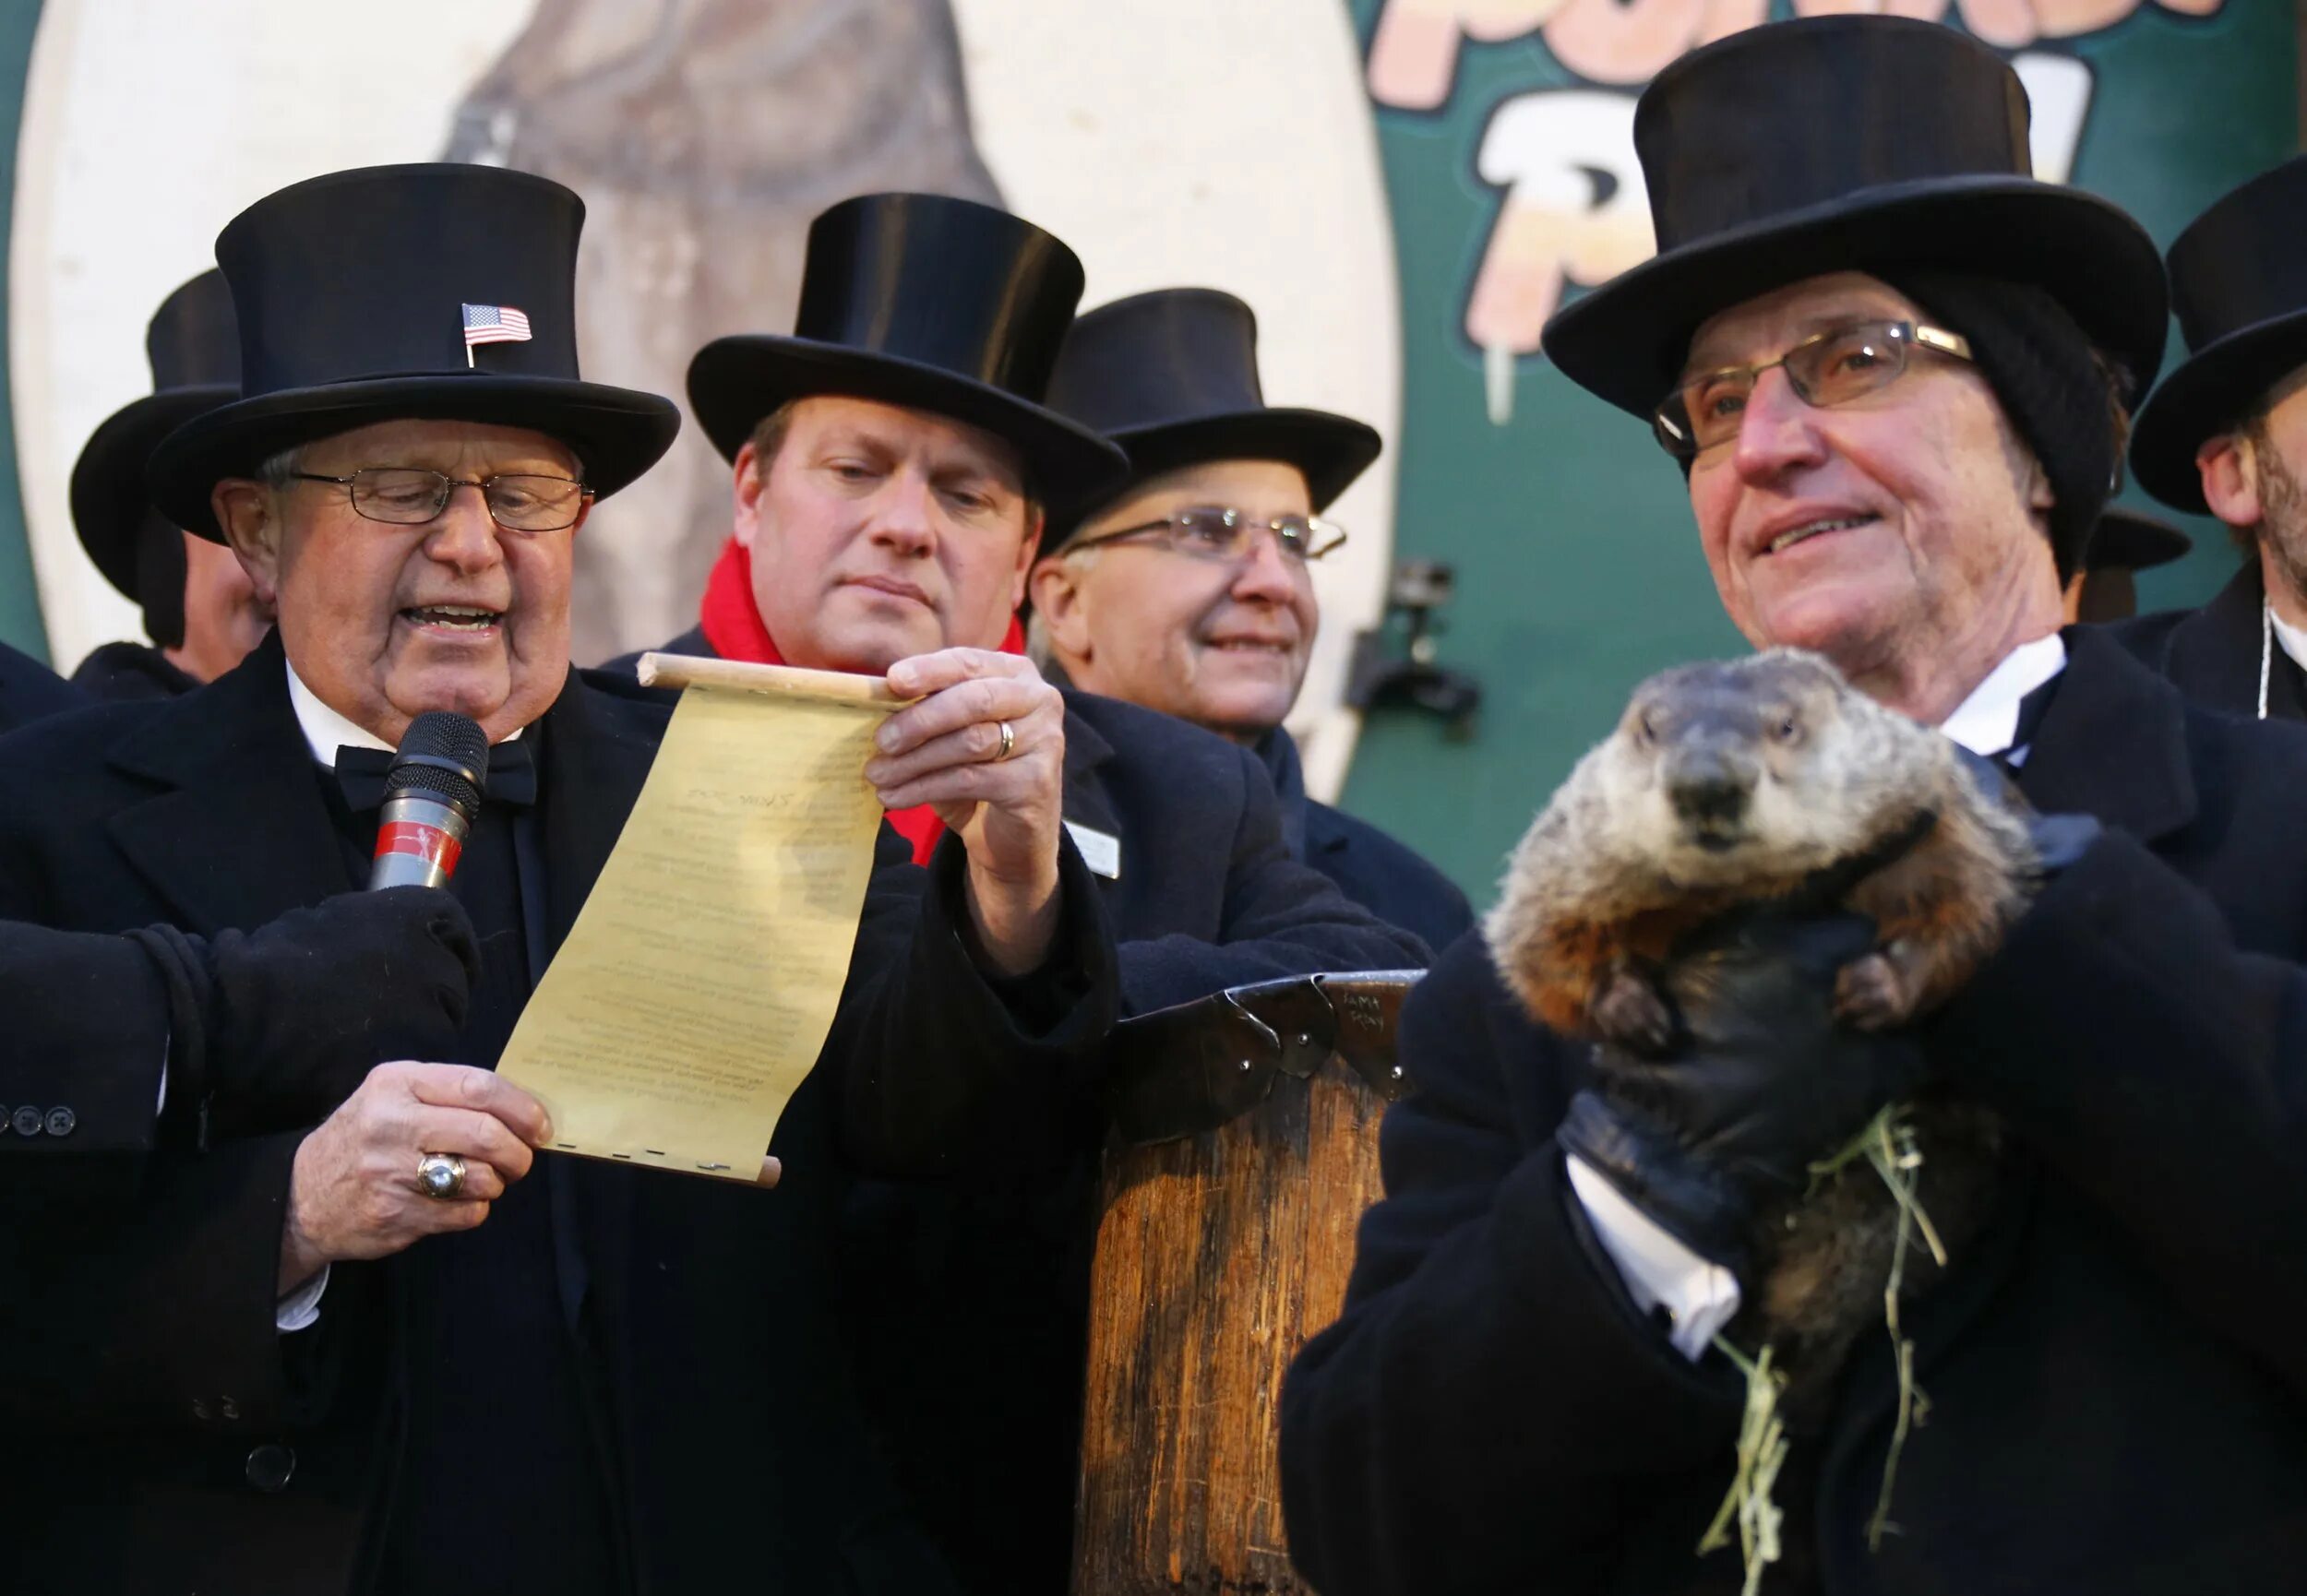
[1217,1257]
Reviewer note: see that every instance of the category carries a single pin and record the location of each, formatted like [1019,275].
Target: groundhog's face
[1724,773]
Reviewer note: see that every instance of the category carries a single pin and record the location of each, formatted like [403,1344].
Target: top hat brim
[111,509]
[2125,541]
[616,433]
[1628,340]
[736,382]
[1329,450]
[2209,392]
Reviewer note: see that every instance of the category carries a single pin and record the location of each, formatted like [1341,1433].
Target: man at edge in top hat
[893,464]
[375,1356]
[200,609]
[2226,434]
[1893,365]
[1190,590]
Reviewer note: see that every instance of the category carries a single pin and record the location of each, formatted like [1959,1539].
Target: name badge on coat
[1100,850]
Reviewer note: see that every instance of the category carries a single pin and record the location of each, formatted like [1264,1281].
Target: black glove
[1762,1082]
[273,1029]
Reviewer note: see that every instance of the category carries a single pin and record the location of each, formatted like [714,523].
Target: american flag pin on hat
[493,323]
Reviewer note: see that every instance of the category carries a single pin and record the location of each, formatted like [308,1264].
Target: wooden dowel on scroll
[742,676]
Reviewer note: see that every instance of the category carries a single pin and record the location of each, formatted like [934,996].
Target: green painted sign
[19,598]
[1505,129]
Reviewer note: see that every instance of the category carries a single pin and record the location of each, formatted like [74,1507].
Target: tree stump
[1219,1252]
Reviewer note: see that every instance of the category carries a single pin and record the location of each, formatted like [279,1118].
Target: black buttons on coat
[30,1120]
[270,1467]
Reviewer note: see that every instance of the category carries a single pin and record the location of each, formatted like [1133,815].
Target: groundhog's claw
[1628,1012]
[1871,994]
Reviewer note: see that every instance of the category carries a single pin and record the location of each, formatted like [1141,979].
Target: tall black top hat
[1847,143]
[407,292]
[2131,541]
[195,352]
[1172,377]
[931,302]
[2239,282]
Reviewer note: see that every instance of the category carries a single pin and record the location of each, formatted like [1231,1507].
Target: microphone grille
[444,753]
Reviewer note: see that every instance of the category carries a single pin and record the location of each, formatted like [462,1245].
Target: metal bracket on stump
[1237,1167]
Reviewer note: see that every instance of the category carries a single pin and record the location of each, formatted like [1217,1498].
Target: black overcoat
[1384,875]
[131,671]
[2118,1387]
[30,690]
[168,1437]
[2213,654]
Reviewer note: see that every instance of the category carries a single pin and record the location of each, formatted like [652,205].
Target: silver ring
[1008,743]
[440,1175]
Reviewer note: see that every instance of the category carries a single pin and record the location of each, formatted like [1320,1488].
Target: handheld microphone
[431,797]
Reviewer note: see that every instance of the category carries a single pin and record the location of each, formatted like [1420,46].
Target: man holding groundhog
[1895,370]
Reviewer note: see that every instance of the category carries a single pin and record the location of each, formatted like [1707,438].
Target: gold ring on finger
[1008,743]
[440,1175]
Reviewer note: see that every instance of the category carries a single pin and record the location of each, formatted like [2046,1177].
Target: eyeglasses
[410,497]
[1211,533]
[1831,369]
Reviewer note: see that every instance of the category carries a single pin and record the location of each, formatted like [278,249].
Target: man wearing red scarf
[892,465]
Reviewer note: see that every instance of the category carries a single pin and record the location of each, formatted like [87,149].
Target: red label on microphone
[429,843]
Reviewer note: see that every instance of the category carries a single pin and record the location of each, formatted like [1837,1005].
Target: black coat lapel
[241,835]
[2113,742]
[598,748]
[1087,802]
[2213,655]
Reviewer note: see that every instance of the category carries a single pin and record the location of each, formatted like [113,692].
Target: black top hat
[1847,143]
[927,302]
[2239,282]
[1172,377]
[407,292]
[195,352]
[2132,540]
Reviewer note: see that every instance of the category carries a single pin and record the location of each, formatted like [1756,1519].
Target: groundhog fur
[1733,783]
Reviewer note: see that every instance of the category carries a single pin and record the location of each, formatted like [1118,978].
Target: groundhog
[1730,784]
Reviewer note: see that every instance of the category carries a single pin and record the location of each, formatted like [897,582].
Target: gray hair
[278,471]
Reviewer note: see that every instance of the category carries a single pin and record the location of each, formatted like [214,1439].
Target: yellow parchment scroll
[694,991]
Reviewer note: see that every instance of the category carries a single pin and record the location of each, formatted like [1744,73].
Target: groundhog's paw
[1628,1011]
[1872,993]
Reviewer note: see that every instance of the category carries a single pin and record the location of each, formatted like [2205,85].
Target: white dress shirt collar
[325,731]
[2292,639]
[1987,721]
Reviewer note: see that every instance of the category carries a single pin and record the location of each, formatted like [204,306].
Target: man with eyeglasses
[1190,589]
[1894,368]
[893,464]
[398,1347]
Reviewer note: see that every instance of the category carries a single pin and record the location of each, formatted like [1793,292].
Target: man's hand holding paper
[985,745]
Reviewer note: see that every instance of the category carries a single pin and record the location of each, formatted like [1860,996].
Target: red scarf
[732,626]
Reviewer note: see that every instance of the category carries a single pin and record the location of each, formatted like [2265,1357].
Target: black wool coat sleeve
[1386,876]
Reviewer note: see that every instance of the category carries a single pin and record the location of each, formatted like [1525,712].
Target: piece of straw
[1887,1145]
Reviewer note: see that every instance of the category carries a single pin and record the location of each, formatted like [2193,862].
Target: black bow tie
[361,772]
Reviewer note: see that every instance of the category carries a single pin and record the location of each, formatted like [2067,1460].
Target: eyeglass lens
[406,495]
[1832,369]
[1228,533]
